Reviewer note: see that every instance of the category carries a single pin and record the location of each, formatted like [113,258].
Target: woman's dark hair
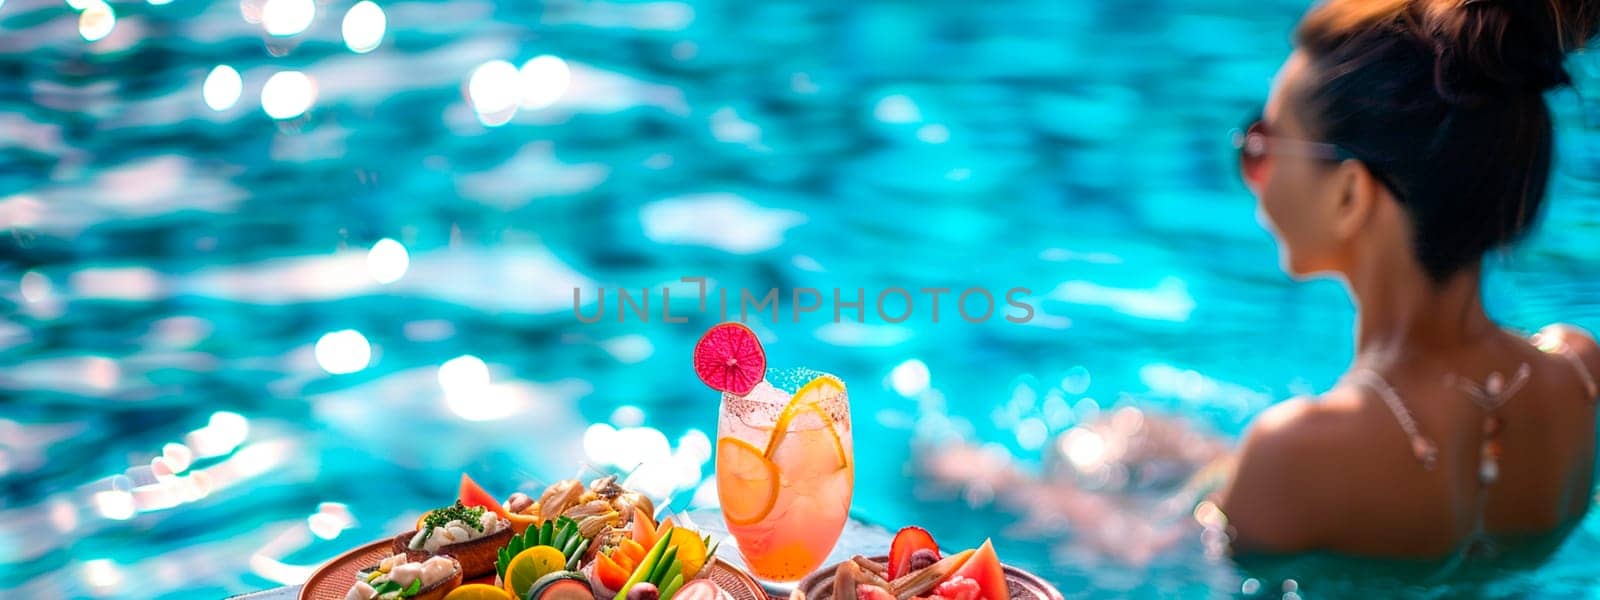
[1443,101]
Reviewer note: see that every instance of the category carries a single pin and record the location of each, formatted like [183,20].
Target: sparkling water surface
[276,272]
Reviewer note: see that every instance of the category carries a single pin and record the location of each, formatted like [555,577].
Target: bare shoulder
[1575,340]
[1280,489]
[1307,423]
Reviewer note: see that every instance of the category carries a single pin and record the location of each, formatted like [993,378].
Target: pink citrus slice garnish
[729,358]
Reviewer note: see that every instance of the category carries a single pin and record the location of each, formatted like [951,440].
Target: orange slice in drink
[810,399]
[747,482]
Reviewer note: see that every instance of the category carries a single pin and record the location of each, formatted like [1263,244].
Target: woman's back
[1342,474]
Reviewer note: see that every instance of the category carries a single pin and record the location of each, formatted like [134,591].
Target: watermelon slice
[984,568]
[473,494]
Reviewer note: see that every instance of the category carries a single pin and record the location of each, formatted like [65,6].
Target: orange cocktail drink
[785,474]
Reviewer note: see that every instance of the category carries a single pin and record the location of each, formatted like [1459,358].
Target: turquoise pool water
[174,255]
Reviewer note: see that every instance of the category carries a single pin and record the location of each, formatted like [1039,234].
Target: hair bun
[1491,48]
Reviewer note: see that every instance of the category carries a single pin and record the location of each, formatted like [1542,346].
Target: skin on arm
[1277,500]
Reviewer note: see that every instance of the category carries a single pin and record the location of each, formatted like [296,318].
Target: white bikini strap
[1589,384]
[1421,446]
[1551,345]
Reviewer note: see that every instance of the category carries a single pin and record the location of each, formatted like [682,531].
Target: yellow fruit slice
[477,591]
[810,399]
[529,565]
[691,551]
[747,482]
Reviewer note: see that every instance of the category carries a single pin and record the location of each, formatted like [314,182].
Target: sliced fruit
[531,564]
[628,563]
[958,588]
[544,535]
[521,522]
[820,388]
[633,550]
[472,494]
[729,358]
[612,576]
[561,585]
[477,591]
[984,567]
[908,541]
[747,483]
[423,519]
[644,567]
[950,564]
[644,528]
[691,551]
[811,399]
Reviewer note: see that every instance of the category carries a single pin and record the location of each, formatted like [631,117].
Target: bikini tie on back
[1421,447]
[1492,394]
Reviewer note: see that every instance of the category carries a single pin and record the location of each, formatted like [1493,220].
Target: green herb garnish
[472,517]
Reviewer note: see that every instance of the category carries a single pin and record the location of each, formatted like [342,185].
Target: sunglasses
[1257,146]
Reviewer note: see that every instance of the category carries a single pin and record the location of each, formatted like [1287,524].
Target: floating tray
[333,580]
[1022,584]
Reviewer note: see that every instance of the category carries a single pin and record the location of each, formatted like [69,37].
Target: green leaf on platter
[667,560]
[676,572]
[576,557]
[512,548]
[672,587]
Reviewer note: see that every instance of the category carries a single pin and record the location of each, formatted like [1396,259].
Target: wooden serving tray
[332,581]
[1022,584]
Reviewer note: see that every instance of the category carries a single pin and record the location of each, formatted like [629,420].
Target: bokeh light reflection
[542,81]
[288,17]
[363,27]
[96,21]
[288,94]
[387,261]
[343,352]
[222,88]
[493,91]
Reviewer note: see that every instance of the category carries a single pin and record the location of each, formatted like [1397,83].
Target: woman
[1402,141]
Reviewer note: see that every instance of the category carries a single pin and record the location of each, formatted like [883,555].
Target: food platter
[600,540]
[332,580]
[1022,584]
